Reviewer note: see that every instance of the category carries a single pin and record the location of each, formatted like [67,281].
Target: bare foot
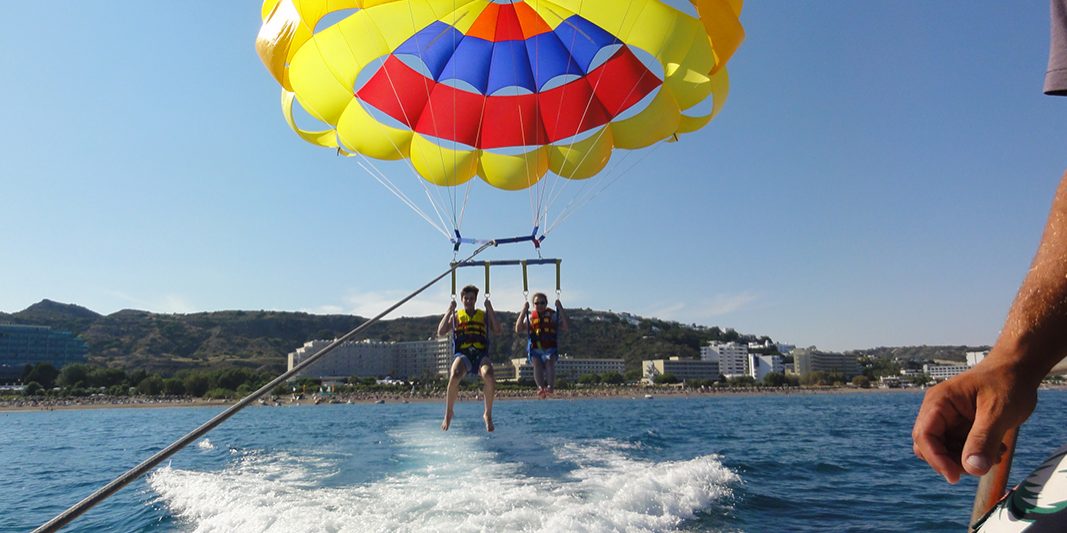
[489,423]
[447,422]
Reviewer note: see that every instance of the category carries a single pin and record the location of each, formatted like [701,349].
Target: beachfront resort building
[683,369]
[910,374]
[973,358]
[732,358]
[760,365]
[27,345]
[808,360]
[943,372]
[366,358]
[567,368]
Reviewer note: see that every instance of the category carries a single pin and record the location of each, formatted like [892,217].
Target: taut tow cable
[104,492]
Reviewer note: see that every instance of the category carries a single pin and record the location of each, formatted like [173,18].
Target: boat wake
[450,483]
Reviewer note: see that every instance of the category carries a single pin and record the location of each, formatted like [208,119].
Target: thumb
[983,444]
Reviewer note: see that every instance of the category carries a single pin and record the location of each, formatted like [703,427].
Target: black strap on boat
[104,492]
[992,485]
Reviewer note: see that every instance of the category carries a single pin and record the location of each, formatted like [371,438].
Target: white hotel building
[760,365]
[943,372]
[683,369]
[366,358]
[732,358]
[568,368]
[973,358]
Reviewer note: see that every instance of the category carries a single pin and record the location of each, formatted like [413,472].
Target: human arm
[563,324]
[490,316]
[447,321]
[520,322]
[962,422]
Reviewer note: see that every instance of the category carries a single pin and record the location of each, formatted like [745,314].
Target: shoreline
[68,404]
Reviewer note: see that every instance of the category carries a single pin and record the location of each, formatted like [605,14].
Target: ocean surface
[796,462]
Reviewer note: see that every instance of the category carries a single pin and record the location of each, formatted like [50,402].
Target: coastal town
[44,367]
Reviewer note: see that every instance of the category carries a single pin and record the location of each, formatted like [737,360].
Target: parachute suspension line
[526,163]
[377,174]
[463,205]
[104,492]
[563,184]
[411,167]
[433,114]
[584,198]
[457,215]
[577,203]
[588,190]
[543,209]
[536,192]
[470,183]
[438,204]
[542,206]
[451,192]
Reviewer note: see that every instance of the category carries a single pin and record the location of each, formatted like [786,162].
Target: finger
[930,435]
[933,451]
[984,444]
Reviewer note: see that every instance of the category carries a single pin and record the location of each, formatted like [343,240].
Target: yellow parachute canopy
[507,91]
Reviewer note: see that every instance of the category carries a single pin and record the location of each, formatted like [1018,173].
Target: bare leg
[458,369]
[539,376]
[550,376]
[490,392]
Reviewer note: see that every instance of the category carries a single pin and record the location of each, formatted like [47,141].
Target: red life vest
[542,330]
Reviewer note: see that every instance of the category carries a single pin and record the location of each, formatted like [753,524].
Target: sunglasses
[540,302]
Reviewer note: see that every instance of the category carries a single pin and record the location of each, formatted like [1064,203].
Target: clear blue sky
[879,176]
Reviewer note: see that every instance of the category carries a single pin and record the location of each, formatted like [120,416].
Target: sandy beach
[643,393]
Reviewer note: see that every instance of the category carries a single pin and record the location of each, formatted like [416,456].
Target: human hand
[452,306]
[961,424]
[558,303]
[526,307]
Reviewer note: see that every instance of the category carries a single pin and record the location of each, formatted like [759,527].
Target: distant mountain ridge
[921,353]
[69,317]
[262,339]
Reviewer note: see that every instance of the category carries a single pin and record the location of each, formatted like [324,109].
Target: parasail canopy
[506,90]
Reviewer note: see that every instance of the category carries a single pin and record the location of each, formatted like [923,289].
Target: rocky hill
[921,353]
[262,339]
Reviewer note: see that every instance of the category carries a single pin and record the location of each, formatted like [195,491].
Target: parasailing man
[470,328]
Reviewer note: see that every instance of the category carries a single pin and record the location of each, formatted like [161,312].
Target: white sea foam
[456,486]
[205,444]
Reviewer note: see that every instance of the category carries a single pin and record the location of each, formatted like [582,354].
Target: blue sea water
[796,462]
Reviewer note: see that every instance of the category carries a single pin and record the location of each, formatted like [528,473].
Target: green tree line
[84,380]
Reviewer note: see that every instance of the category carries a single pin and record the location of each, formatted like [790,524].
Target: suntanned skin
[544,373]
[961,424]
[459,368]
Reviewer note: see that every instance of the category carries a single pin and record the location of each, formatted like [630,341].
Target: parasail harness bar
[510,262]
[532,237]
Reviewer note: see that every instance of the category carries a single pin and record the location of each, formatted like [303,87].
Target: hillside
[262,339]
[921,353]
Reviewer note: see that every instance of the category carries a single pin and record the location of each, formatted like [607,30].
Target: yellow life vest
[470,330]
